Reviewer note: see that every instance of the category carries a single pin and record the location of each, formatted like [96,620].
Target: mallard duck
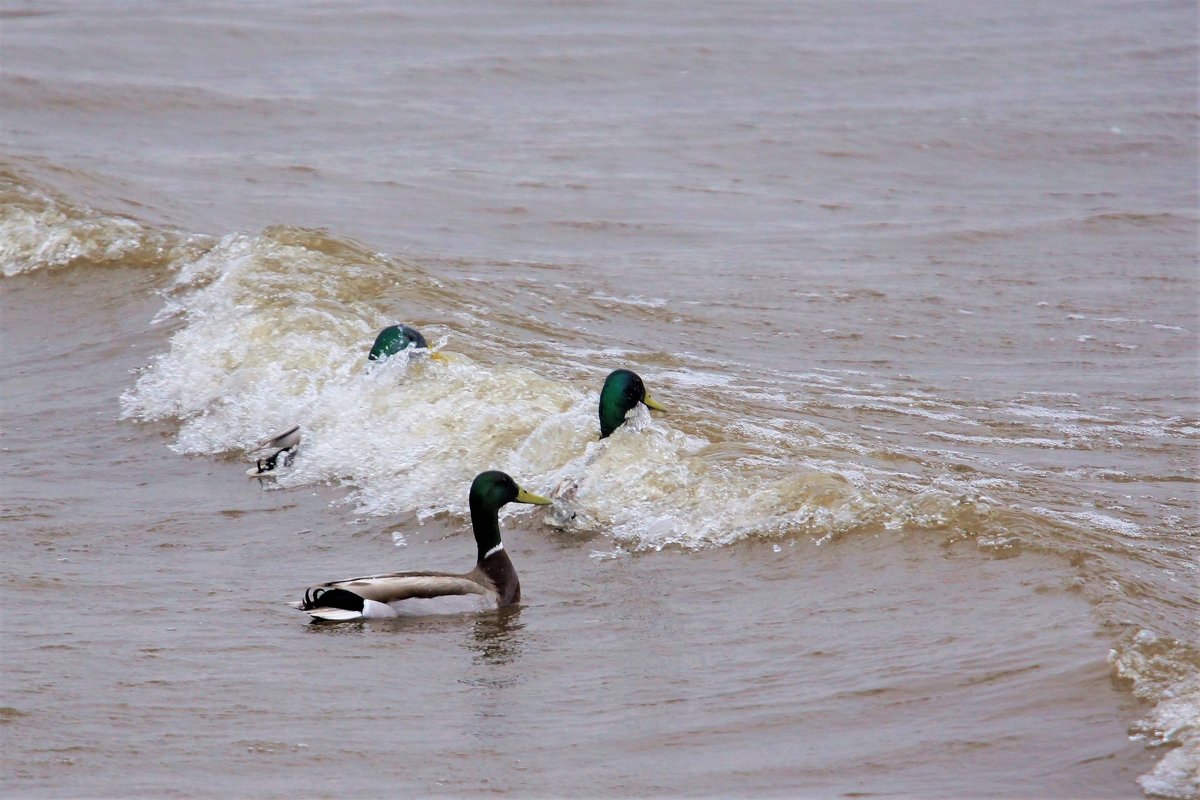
[284,444]
[491,584]
[395,338]
[391,340]
[622,391]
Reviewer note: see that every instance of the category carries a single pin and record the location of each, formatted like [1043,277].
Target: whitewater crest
[1165,672]
[39,230]
[275,330]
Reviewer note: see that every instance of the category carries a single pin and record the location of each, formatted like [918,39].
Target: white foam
[38,231]
[1161,672]
[1040,412]
[270,340]
[275,330]
[632,300]
[1097,520]
[1094,519]
[999,440]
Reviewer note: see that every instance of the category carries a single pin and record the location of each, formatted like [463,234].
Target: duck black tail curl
[331,598]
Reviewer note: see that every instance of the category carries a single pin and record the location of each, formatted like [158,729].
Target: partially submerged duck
[285,444]
[397,338]
[491,584]
[390,341]
[623,390]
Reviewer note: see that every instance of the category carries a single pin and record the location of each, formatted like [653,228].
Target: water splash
[41,231]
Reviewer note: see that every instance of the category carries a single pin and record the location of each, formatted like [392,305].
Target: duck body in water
[493,582]
[623,390]
[390,341]
[284,444]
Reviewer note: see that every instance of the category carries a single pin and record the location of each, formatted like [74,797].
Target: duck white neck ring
[493,551]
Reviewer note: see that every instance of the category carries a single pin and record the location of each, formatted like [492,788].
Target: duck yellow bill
[652,403]
[438,357]
[529,497]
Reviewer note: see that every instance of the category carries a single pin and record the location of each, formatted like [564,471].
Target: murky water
[917,283]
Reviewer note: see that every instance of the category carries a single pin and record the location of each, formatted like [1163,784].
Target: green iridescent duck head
[397,338]
[489,492]
[622,391]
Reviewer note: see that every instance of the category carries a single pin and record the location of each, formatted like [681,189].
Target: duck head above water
[623,390]
[396,338]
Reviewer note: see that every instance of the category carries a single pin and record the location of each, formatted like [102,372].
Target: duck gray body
[491,584]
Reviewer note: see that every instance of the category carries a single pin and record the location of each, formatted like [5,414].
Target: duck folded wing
[284,439]
[398,586]
[385,596]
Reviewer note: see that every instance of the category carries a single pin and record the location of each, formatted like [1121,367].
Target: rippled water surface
[916,282]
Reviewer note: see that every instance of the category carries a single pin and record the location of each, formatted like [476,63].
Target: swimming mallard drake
[391,340]
[622,391]
[491,584]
